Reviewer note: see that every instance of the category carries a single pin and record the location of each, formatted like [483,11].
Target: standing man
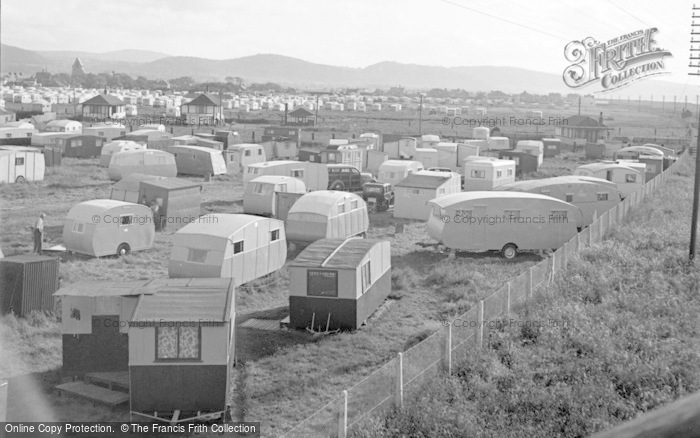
[39,233]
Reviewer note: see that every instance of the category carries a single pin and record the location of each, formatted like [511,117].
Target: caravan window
[98,142]
[341,208]
[298,173]
[499,173]
[247,153]
[630,178]
[79,227]
[478,174]
[126,220]
[274,235]
[259,151]
[463,214]
[441,192]
[8,135]
[259,189]
[19,161]
[558,216]
[100,133]
[231,157]
[353,204]
[366,276]
[197,255]
[412,192]
[511,214]
[321,283]
[283,188]
[569,197]
[510,172]
[392,175]
[180,342]
[602,196]
[238,247]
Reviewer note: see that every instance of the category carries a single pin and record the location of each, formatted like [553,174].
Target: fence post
[343,417]
[398,396]
[448,350]
[508,300]
[480,326]
[590,233]
[578,242]
[564,257]
[600,229]
[528,295]
[609,220]
[554,263]
[3,400]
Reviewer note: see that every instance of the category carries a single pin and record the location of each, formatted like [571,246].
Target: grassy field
[281,376]
[626,340]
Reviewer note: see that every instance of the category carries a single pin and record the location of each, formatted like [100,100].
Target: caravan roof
[456,198]
[320,202]
[424,180]
[334,253]
[647,150]
[272,163]
[272,179]
[219,225]
[85,210]
[597,167]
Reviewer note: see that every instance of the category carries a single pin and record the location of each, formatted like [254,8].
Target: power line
[505,20]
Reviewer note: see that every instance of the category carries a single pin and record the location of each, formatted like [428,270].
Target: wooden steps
[94,393]
[113,380]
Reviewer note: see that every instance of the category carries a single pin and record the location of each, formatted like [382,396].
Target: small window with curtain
[178,343]
[274,235]
[238,247]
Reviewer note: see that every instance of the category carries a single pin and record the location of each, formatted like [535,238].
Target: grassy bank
[615,336]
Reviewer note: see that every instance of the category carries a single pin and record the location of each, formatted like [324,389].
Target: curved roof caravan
[634,152]
[627,178]
[197,160]
[64,126]
[121,227]
[502,221]
[593,199]
[238,246]
[240,155]
[393,171]
[485,173]
[325,213]
[146,161]
[314,175]
[261,193]
[117,146]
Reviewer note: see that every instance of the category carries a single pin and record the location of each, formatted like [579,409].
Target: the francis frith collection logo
[616,62]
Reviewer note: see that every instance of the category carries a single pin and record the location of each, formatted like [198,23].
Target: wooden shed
[197,160]
[554,147]
[532,147]
[179,201]
[181,349]
[127,188]
[261,195]
[80,146]
[238,246]
[94,325]
[525,163]
[27,283]
[338,283]
[52,156]
[146,161]
[326,214]
[414,192]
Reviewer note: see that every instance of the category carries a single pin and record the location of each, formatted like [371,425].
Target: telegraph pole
[696,189]
[420,116]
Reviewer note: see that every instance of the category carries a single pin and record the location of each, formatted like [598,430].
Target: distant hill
[307,75]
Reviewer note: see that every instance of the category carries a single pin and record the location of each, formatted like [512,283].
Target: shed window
[100,133]
[478,174]
[569,197]
[321,283]
[29,134]
[441,192]
[178,343]
[79,227]
[274,235]
[197,255]
[366,272]
[238,247]
[76,143]
[412,192]
[19,161]
[602,196]
[8,135]
[126,220]
[247,153]
[341,208]
[630,178]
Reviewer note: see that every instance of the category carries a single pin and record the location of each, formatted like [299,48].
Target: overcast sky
[353,33]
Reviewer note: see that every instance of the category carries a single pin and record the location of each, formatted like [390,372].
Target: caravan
[628,179]
[197,160]
[264,194]
[314,175]
[19,164]
[146,161]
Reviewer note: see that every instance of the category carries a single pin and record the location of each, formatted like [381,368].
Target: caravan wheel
[20,179]
[123,250]
[509,251]
[338,186]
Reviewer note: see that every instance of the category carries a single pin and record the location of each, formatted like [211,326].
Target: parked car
[378,196]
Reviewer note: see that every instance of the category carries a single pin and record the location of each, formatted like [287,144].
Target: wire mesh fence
[405,375]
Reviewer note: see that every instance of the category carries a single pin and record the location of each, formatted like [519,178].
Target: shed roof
[336,253]
[133,180]
[187,299]
[26,258]
[102,288]
[171,183]
[425,181]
